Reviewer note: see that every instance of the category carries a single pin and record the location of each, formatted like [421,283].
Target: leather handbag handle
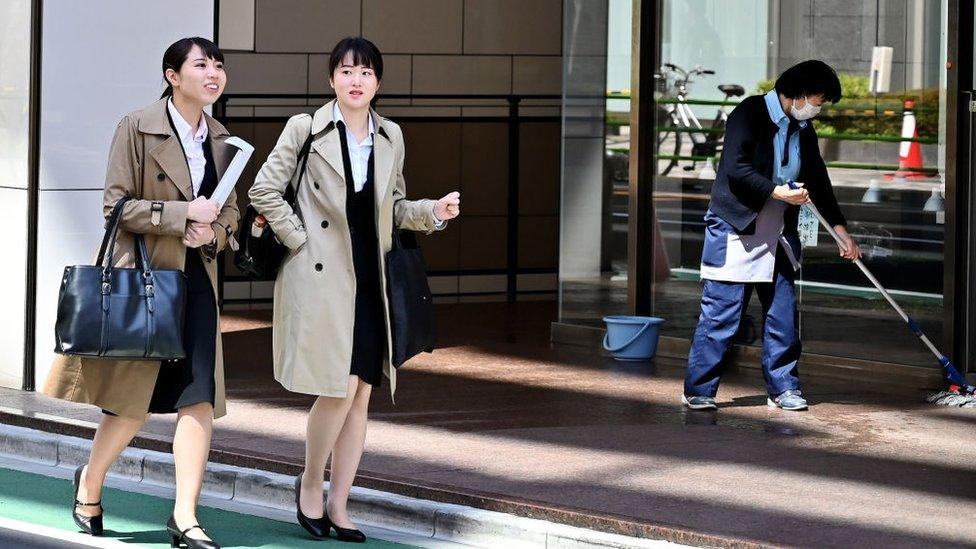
[111,234]
[110,229]
[108,247]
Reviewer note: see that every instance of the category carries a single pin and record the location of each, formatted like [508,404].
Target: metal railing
[513,119]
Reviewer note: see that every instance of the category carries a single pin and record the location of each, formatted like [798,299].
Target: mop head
[955,396]
[958,393]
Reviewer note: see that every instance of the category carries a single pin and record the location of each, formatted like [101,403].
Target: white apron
[748,257]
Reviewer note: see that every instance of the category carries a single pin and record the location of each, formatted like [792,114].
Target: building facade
[583,171]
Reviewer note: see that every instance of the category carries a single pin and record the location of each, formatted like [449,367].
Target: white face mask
[806,112]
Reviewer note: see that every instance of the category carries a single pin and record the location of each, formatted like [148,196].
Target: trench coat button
[325,224]
[316,183]
[161,177]
[318,266]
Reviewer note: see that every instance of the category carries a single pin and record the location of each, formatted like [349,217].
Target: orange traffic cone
[910,151]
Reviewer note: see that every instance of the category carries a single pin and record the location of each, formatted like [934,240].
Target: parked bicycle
[676,117]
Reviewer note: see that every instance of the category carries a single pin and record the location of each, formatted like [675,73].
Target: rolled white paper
[234,170]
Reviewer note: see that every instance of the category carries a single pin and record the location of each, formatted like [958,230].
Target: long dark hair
[178,51]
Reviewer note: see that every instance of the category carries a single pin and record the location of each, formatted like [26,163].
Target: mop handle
[911,323]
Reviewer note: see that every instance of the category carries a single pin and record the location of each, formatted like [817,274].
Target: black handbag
[411,303]
[259,257]
[121,313]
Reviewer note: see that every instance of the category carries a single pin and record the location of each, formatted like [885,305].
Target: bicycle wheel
[717,137]
[669,133]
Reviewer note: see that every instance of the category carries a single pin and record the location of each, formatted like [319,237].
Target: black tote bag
[411,303]
[121,313]
[259,257]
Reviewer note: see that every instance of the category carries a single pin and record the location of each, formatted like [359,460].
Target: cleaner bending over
[751,240]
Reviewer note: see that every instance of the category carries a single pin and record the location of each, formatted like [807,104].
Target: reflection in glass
[888,182]
[881,144]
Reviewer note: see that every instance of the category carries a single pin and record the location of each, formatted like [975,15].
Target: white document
[234,170]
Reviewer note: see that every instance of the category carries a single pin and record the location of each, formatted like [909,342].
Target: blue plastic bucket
[632,337]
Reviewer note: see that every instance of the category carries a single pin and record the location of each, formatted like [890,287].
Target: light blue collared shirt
[752,257]
[792,169]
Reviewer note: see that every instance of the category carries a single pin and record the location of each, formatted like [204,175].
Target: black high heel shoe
[88,525]
[346,534]
[317,527]
[178,537]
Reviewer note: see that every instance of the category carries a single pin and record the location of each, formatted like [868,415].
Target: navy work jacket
[744,180]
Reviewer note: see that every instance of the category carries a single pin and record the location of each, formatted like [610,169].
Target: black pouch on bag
[259,257]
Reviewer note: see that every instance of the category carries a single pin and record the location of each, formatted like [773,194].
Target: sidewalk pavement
[497,420]
[140,519]
[243,507]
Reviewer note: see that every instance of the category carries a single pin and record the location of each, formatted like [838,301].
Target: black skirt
[191,380]
[368,337]
[369,330]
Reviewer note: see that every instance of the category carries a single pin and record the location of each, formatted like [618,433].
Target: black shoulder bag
[259,257]
[411,303]
[121,313]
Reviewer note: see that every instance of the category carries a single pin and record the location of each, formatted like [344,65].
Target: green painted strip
[824,288]
[707,102]
[832,136]
[829,112]
[853,165]
[680,157]
[880,167]
[140,519]
[689,130]
[876,137]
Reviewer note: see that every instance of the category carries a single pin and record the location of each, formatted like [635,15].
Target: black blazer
[744,180]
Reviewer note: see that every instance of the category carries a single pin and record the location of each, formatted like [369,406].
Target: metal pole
[640,203]
[513,197]
[33,187]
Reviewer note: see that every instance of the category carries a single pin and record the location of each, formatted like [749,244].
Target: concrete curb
[437,521]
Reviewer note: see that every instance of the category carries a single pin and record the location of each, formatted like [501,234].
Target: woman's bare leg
[113,435]
[346,455]
[325,421]
[191,448]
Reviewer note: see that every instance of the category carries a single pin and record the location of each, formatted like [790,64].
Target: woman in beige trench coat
[167,158]
[331,325]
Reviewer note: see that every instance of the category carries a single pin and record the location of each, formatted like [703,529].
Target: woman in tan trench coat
[331,325]
[167,158]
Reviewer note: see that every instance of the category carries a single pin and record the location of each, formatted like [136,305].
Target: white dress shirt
[359,154]
[192,145]
[358,151]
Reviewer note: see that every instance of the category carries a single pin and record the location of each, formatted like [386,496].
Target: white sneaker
[788,400]
[699,402]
